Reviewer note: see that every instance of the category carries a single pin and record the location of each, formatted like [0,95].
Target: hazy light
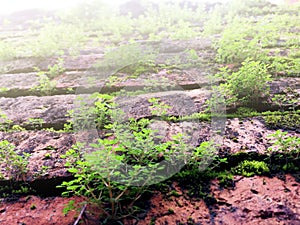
[8,7]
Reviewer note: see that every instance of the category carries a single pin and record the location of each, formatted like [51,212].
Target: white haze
[9,6]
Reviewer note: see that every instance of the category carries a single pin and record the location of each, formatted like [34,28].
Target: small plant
[249,168]
[46,86]
[35,123]
[57,39]
[22,190]
[213,25]
[3,89]
[235,46]
[104,107]
[132,59]
[225,178]
[290,167]
[131,156]
[7,51]
[245,111]
[283,121]
[182,31]
[97,112]
[247,85]
[281,65]
[132,159]
[14,165]
[287,100]
[283,143]
[158,107]
[42,172]
[204,155]
[5,123]
[17,128]
[192,56]
[47,156]
[171,211]
[174,193]
[33,207]
[69,207]
[242,39]
[56,69]
[97,184]
[69,125]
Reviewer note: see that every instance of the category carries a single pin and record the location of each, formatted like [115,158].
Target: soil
[253,200]
[33,210]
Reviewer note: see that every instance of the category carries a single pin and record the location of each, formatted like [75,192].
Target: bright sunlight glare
[8,7]
[11,6]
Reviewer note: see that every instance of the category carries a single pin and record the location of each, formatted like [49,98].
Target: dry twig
[80,215]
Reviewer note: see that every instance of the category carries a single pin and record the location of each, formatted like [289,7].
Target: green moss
[33,207]
[47,156]
[152,222]
[286,121]
[251,168]
[290,167]
[225,178]
[174,193]
[171,211]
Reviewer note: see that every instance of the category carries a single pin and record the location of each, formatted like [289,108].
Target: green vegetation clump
[284,66]
[35,123]
[96,110]
[57,40]
[133,59]
[7,51]
[250,168]
[102,174]
[114,171]
[245,37]
[46,84]
[56,69]
[237,43]
[283,121]
[288,100]
[14,165]
[247,85]
[5,123]
[284,143]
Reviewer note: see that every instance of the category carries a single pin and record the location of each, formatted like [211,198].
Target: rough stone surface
[181,102]
[19,82]
[240,135]
[280,85]
[251,201]
[51,109]
[39,144]
[35,211]
[26,65]
[24,84]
